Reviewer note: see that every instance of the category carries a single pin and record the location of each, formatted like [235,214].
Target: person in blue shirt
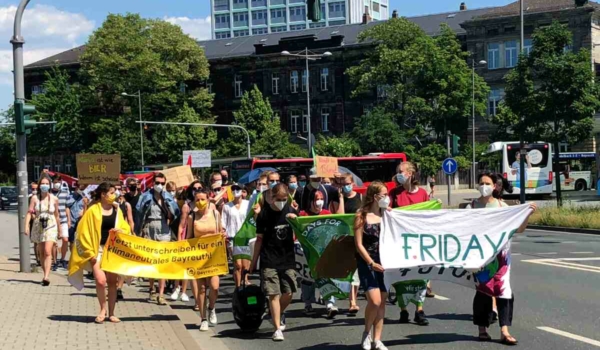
[77,204]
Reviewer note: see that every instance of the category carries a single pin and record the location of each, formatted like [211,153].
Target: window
[238,86]
[298,14]
[240,4]
[68,168]
[240,19]
[337,23]
[324,78]
[325,119]
[294,81]
[259,31]
[511,53]
[278,29]
[37,89]
[259,3]
[57,168]
[304,80]
[337,9]
[528,46]
[563,147]
[296,27]
[223,35]
[259,17]
[317,24]
[275,84]
[209,87]
[47,166]
[493,55]
[375,7]
[294,117]
[277,2]
[221,5]
[222,21]
[496,96]
[36,171]
[304,121]
[239,33]
[278,16]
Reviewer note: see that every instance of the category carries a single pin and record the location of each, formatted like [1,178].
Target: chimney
[395,14]
[366,16]
[463,6]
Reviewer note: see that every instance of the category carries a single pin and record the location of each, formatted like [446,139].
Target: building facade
[239,18]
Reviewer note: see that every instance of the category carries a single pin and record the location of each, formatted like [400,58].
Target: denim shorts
[369,279]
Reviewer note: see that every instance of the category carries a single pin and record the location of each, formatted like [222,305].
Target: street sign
[197,159]
[449,166]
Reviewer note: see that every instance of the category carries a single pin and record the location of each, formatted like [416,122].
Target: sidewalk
[60,317]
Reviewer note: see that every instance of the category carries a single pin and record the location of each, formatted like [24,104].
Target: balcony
[277,2]
[240,4]
[258,3]
[221,5]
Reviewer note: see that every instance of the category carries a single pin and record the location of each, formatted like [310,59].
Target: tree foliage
[337,146]
[8,167]
[377,131]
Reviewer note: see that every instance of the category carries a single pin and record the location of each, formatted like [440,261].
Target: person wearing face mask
[61,192]
[499,286]
[295,188]
[330,194]
[261,187]
[33,191]
[224,177]
[77,205]
[234,215]
[45,229]
[302,181]
[128,215]
[408,193]
[94,230]
[133,195]
[308,288]
[157,209]
[367,229]
[352,203]
[275,247]
[205,221]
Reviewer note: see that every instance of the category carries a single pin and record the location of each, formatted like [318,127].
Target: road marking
[562,232]
[516,254]
[571,336]
[581,253]
[580,259]
[439,297]
[559,263]
[547,253]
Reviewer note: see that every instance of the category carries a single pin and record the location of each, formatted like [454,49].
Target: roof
[536,6]
[244,46]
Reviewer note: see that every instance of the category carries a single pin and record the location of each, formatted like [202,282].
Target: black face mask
[225,178]
[133,188]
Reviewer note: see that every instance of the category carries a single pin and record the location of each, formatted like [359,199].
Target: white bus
[577,171]
[538,166]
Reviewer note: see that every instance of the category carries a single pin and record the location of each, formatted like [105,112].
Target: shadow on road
[19,281]
[452,317]
[90,319]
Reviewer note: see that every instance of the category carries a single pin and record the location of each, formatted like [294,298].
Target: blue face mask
[302,183]
[273,184]
[293,186]
[401,178]
[347,188]
[45,188]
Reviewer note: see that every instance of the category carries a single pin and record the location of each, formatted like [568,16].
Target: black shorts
[72,233]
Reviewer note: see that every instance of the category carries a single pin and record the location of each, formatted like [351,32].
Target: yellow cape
[87,241]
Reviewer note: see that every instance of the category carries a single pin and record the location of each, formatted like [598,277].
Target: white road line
[547,253]
[439,297]
[549,263]
[577,265]
[581,253]
[571,336]
[580,259]
[562,233]
[516,254]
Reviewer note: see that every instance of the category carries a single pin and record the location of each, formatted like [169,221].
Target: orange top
[208,224]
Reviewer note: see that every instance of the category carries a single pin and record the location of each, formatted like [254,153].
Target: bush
[567,216]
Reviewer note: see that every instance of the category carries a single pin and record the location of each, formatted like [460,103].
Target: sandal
[196,308]
[484,337]
[114,319]
[510,340]
[45,282]
[99,319]
[161,301]
[353,309]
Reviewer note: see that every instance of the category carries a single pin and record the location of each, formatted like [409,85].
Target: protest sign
[327,287]
[197,159]
[98,168]
[181,175]
[326,166]
[190,259]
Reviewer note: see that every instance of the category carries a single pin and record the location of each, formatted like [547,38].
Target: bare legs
[104,279]
[46,250]
[375,313]
[277,305]
[240,265]
[213,284]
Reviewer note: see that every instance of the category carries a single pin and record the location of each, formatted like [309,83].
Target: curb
[565,229]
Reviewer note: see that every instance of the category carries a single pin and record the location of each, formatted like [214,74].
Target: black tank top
[351,205]
[108,223]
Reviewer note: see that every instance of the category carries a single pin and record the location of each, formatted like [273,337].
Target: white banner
[197,159]
[468,239]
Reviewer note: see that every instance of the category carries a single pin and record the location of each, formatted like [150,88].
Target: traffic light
[314,10]
[455,145]
[22,112]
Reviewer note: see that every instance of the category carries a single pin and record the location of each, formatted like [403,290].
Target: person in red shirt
[408,193]
[317,201]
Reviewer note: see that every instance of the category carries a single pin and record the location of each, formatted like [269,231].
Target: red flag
[189,161]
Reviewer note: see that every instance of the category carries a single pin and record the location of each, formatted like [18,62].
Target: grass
[567,216]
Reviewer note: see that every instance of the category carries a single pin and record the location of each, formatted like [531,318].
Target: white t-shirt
[233,218]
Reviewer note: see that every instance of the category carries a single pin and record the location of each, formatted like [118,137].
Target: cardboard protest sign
[326,166]
[181,175]
[98,168]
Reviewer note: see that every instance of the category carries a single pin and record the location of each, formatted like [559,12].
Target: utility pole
[449,177]
[522,149]
[17,42]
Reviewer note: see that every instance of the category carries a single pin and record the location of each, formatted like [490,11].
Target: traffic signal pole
[449,176]
[17,43]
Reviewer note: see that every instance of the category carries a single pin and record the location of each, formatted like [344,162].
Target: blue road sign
[449,166]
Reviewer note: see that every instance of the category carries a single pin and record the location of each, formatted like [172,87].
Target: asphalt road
[554,277]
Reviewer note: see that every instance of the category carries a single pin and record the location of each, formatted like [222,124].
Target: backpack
[248,306]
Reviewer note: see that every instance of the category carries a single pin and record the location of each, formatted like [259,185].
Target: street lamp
[307,57]
[139,96]
[481,63]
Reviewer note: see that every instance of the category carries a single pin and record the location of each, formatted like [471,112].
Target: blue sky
[52,26]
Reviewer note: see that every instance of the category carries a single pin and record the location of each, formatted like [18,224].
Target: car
[8,197]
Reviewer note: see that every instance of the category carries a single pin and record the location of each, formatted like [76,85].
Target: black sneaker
[404,317]
[55,266]
[420,318]
[65,264]
[494,317]
[120,294]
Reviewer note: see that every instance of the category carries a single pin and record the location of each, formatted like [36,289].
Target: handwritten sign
[326,166]
[197,159]
[181,175]
[94,169]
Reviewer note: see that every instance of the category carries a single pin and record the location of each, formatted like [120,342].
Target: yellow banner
[190,259]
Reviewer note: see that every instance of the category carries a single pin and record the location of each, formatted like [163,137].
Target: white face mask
[57,186]
[218,183]
[173,193]
[261,189]
[384,202]
[117,194]
[319,204]
[237,194]
[315,184]
[486,190]
[158,188]
[280,204]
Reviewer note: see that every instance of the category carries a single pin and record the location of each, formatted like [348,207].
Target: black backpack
[248,306]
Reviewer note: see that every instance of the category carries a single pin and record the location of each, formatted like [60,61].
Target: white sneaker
[378,345]
[332,311]
[175,295]
[212,318]
[204,326]
[278,336]
[184,297]
[366,343]
[282,323]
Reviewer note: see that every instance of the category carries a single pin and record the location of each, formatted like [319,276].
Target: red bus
[375,166]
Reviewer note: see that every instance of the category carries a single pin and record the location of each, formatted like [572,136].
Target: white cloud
[29,56]
[197,28]
[43,21]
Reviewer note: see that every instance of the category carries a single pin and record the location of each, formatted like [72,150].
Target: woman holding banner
[93,232]
[204,221]
[409,193]
[367,227]
[498,286]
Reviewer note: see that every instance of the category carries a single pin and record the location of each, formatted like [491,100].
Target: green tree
[552,93]
[129,54]
[377,131]
[266,137]
[426,81]
[8,167]
[337,146]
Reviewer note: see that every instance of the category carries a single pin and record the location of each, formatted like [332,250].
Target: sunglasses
[159,183]
[218,189]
